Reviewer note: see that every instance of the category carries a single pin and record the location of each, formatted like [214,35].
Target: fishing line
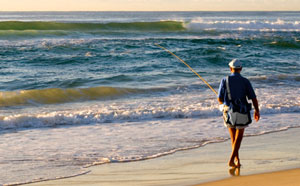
[188,67]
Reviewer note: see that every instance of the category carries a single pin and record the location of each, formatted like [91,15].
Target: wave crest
[115,26]
[58,95]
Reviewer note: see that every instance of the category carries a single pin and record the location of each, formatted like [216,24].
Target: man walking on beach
[233,93]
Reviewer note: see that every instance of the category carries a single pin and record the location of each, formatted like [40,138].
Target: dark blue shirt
[240,88]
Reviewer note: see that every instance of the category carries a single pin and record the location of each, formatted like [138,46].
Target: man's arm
[256,109]
[221,92]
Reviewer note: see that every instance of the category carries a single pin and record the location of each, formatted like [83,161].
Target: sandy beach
[260,155]
[281,178]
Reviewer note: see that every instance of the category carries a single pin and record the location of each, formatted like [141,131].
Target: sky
[149,5]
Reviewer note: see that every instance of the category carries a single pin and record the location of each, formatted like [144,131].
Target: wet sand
[259,154]
[281,178]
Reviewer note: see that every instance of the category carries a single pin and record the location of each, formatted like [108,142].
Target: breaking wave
[58,95]
[126,113]
[43,28]
[114,26]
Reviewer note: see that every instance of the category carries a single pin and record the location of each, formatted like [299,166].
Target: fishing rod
[188,67]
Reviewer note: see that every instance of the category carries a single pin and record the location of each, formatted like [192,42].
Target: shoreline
[259,154]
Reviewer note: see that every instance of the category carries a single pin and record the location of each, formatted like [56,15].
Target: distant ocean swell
[11,27]
[139,26]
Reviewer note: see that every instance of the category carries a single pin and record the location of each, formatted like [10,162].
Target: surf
[244,25]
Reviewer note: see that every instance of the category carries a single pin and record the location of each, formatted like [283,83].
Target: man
[240,89]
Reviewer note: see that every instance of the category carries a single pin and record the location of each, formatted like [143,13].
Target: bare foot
[232,171]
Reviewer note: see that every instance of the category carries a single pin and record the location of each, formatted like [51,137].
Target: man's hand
[220,101]
[256,115]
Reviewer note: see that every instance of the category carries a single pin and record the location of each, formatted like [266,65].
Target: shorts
[228,125]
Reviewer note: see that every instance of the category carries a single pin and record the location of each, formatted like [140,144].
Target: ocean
[79,89]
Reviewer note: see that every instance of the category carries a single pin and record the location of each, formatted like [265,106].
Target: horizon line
[149,10]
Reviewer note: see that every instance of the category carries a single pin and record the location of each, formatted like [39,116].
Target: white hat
[235,63]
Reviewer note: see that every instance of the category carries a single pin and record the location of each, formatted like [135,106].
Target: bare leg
[236,136]
[232,132]
[239,137]
[232,135]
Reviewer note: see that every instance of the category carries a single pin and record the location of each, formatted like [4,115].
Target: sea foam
[254,25]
